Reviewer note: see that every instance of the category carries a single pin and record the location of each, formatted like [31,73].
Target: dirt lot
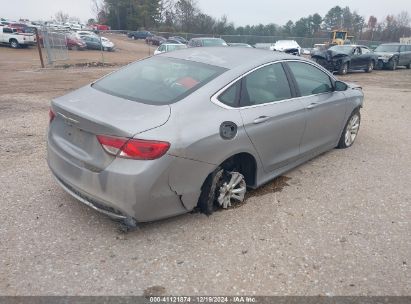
[337,225]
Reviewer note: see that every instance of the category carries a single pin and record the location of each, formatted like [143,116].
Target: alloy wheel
[352,130]
[233,190]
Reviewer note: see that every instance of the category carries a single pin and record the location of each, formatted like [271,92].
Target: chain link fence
[54,42]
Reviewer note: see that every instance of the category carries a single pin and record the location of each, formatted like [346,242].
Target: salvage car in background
[205,41]
[155,40]
[343,58]
[287,46]
[392,55]
[195,128]
[169,47]
[75,43]
[139,35]
[98,43]
[16,39]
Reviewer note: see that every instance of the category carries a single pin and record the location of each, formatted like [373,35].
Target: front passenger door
[325,108]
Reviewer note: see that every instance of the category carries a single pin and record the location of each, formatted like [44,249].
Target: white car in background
[107,44]
[287,46]
[169,47]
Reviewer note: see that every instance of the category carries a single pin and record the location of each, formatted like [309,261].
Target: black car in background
[392,55]
[155,40]
[179,39]
[343,58]
[139,35]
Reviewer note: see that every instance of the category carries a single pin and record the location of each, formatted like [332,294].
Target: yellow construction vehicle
[340,37]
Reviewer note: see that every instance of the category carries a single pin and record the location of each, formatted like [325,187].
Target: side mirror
[340,86]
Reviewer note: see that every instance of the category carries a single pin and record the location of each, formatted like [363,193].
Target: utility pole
[39,47]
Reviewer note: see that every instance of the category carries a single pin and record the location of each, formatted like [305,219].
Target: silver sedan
[195,128]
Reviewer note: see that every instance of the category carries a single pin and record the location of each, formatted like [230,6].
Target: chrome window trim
[214,97]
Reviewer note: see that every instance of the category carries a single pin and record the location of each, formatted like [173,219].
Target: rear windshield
[387,48]
[158,80]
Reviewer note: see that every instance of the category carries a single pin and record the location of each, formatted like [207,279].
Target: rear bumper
[125,189]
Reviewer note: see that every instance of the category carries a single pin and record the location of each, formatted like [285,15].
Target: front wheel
[393,65]
[222,188]
[350,131]
[370,67]
[343,69]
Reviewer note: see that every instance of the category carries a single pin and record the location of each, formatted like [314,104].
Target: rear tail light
[51,115]
[133,148]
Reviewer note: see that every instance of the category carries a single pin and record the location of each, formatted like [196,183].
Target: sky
[241,12]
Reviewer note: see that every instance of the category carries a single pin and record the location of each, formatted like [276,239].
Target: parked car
[200,42]
[74,43]
[392,55]
[179,38]
[287,46]
[149,141]
[97,43]
[172,41]
[169,47]
[100,27]
[240,45]
[87,33]
[139,35]
[155,40]
[20,27]
[15,39]
[342,58]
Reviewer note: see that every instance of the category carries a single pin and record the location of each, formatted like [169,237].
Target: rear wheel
[222,188]
[343,69]
[14,44]
[350,131]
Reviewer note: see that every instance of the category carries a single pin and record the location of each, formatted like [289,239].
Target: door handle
[261,119]
[313,105]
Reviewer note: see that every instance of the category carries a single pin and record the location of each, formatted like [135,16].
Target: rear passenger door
[325,108]
[273,119]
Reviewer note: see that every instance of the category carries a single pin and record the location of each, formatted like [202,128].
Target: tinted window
[265,85]
[158,80]
[7,30]
[229,97]
[310,80]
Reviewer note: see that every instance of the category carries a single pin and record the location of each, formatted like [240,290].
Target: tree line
[185,16]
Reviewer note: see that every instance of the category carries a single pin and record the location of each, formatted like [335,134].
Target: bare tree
[62,17]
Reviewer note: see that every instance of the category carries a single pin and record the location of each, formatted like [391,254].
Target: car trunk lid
[82,115]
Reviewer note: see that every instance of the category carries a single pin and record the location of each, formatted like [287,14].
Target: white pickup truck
[14,39]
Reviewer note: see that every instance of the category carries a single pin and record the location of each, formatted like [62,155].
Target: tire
[350,131]
[14,44]
[370,67]
[408,66]
[343,70]
[134,38]
[220,189]
[393,65]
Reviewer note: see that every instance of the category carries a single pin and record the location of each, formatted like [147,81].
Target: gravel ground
[337,225]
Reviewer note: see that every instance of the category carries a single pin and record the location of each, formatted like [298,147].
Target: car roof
[230,58]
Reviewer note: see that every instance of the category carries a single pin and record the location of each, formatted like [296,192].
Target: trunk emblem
[69,121]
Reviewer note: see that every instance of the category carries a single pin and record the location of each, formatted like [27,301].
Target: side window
[162,48]
[402,48]
[409,48]
[7,30]
[265,85]
[310,80]
[229,96]
[365,50]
